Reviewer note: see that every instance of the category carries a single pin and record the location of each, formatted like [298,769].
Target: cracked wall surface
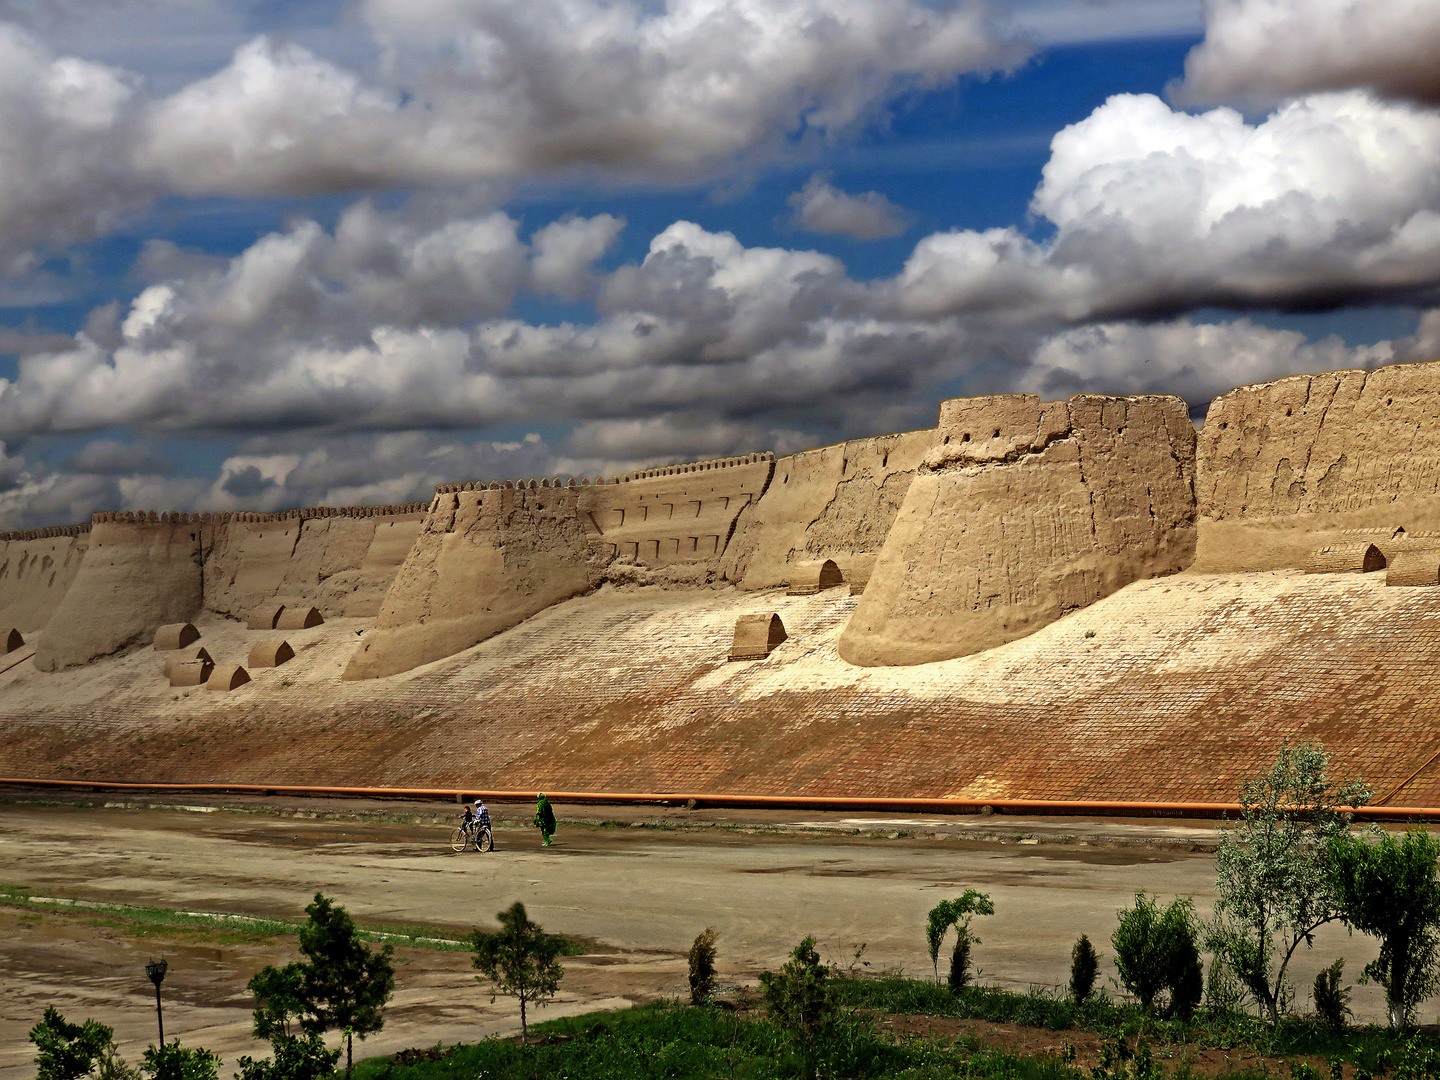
[1022,511]
[341,565]
[1290,466]
[34,577]
[837,502]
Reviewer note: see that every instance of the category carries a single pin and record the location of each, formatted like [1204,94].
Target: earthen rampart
[1022,511]
[837,502]
[37,566]
[1287,467]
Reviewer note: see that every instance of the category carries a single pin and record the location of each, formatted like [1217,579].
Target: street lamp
[156,970]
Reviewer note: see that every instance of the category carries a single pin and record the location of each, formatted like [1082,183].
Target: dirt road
[640,894]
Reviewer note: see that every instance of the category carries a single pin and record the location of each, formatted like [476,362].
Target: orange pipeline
[1066,807]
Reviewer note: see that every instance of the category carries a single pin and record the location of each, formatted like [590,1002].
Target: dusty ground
[640,894]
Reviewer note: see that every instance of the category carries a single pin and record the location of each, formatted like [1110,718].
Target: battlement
[304,513]
[47,533]
[600,481]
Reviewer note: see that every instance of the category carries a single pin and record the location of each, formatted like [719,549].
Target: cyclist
[482,814]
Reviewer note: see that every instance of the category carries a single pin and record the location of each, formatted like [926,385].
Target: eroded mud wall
[134,577]
[483,562]
[342,562]
[837,503]
[1024,510]
[36,569]
[1288,467]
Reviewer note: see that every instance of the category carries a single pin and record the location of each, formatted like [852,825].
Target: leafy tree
[66,1051]
[1332,999]
[171,1061]
[1156,951]
[341,984]
[1084,964]
[957,914]
[292,1058]
[1389,890]
[1273,870]
[799,1001]
[702,966]
[520,959]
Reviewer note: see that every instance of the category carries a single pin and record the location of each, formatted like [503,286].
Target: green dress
[544,818]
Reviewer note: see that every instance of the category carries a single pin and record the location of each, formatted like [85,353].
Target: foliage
[1272,870]
[1332,998]
[66,1051]
[799,1002]
[1223,992]
[175,1062]
[520,959]
[341,984]
[665,1041]
[1155,951]
[1388,889]
[702,966]
[292,1058]
[957,914]
[1084,964]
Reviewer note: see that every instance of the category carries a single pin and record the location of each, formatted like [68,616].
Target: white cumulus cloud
[820,207]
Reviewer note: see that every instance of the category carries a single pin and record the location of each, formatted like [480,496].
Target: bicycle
[481,836]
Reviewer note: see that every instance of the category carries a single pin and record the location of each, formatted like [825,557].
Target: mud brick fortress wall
[1063,599]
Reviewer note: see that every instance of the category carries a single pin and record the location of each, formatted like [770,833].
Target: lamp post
[156,970]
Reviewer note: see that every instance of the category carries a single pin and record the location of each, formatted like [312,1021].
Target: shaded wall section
[1023,511]
[134,577]
[1289,467]
[837,502]
[342,561]
[36,569]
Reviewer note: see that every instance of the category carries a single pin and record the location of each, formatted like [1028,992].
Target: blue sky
[263,254]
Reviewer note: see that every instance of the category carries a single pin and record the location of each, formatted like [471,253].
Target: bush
[291,1058]
[172,1061]
[1156,951]
[702,966]
[956,913]
[1084,964]
[1332,1000]
[799,1001]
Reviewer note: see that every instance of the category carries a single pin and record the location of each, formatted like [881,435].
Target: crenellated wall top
[303,513]
[46,533]
[585,481]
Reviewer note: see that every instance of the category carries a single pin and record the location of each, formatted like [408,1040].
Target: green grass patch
[667,1040]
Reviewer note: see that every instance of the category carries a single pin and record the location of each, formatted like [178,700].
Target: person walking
[544,818]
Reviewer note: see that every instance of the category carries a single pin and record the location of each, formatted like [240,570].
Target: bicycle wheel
[485,841]
[458,839]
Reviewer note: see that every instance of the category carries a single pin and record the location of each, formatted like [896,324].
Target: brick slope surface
[1171,689]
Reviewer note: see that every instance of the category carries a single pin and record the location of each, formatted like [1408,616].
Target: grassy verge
[1370,1049]
[210,924]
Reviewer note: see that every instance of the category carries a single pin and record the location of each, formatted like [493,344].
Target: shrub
[957,914]
[1155,951]
[702,966]
[172,1061]
[292,1058]
[799,1001]
[1084,964]
[1332,1000]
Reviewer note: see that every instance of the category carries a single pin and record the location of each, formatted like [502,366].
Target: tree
[1273,870]
[292,1058]
[702,966]
[1388,889]
[1084,964]
[799,1001]
[342,984]
[957,914]
[520,959]
[171,1061]
[1155,951]
[66,1051]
